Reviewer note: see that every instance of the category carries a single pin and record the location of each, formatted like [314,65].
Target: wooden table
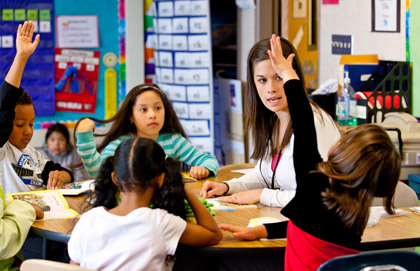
[396,232]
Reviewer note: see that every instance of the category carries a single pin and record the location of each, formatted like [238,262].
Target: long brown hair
[121,123]
[362,165]
[262,122]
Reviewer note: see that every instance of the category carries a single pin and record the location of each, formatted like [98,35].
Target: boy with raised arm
[22,167]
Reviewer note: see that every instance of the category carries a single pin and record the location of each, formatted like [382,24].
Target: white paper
[45,27]
[196,127]
[199,60]
[299,9]
[165,59]
[199,8]
[181,109]
[79,31]
[164,26]
[167,76]
[84,186]
[182,8]
[165,42]
[200,111]
[204,144]
[198,43]
[166,9]
[180,43]
[198,94]
[197,76]
[245,4]
[180,25]
[180,76]
[7,42]
[174,93]
[199,25]
[386,15]
[182,60]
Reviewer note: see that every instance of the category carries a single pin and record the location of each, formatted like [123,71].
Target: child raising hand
[131,235]
[363,164]
[23,167]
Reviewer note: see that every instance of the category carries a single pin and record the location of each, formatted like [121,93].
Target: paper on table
[378,212]
[244,170]
[218,204]
[76,188]
[186,178]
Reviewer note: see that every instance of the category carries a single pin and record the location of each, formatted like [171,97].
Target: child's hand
[39,213]
[57,178]
[199,172]
[211,189]
[24,45]
[281,65]
[86,125]
[247,233]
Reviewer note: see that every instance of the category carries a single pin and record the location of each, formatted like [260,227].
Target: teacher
[273,180]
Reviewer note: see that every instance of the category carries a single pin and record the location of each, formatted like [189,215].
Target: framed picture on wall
[386,15]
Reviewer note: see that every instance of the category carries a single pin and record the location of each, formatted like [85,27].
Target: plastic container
[346,103]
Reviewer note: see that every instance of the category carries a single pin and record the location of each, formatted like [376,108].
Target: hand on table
[211,189]
[245,197]
[198,172]
[39,213]
[247,233]
[24,45]
[57,178]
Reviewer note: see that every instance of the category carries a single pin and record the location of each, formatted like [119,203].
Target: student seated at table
[331,207]
[22,167]
[145,112]
[16,219]
[273,181]
[131,235]
[59,149]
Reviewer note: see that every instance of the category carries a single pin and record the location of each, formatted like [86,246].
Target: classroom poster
[38,77]
[77,31]
[183,67]
[76,80]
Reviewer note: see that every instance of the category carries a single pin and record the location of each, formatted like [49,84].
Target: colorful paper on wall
[76,77]
[38,78]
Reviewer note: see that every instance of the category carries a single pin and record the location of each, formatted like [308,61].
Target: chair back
[405,196]
[45,265]
[386,260]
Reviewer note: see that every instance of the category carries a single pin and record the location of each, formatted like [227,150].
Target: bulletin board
[182,54]
[107,12]
[38,78]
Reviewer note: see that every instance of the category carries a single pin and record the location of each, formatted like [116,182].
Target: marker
[227,210]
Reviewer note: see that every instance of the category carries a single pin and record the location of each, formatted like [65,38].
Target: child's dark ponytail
[105,189]
[171,195]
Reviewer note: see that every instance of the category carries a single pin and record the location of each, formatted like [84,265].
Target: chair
[45,265]
[405,196]
[399,260]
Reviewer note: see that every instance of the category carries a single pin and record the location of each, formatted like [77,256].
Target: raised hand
[281,65]
[25,47]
